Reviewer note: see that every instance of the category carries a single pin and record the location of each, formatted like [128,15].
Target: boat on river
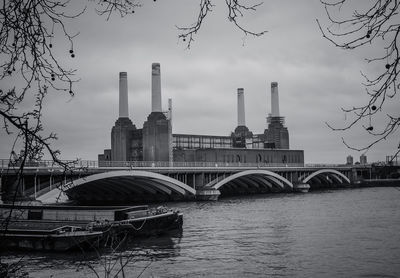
[59,239]
[61,228]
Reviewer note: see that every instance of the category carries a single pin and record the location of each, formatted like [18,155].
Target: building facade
[156,142]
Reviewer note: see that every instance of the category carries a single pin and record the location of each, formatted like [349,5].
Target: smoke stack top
[241,112]
[274,99]
[123,95]
[155,88]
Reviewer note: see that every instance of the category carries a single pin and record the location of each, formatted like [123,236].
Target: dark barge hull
[46,227]
[145,226]
[50,242]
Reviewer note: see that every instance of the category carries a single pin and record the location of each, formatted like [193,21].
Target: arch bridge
[179,182]
[127,186]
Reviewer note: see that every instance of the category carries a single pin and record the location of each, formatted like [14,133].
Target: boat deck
[40,225]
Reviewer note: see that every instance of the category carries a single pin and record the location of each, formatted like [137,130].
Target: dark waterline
[340,233]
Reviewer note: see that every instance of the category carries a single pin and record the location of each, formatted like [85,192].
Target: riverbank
[377,183]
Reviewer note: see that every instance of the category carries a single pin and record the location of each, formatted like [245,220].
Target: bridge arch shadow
[326,178]
[128,186]
[251,182]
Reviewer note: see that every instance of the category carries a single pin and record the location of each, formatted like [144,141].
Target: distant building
[349,160]
[155,141]
[276,135]
[233,155]
[363,159]
[393,159]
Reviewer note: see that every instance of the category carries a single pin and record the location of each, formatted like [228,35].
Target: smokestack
[241,115]
[170,109]
[123,95]
[155,88]
[274,99]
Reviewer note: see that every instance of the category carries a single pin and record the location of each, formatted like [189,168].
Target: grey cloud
[315,79]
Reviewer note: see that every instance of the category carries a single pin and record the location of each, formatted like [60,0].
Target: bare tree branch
[378,23]
[122,7]
[235,10]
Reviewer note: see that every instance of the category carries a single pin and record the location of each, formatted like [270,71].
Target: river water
[338,233]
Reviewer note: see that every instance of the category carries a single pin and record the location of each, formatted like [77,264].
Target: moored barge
[67,227]
[59,239]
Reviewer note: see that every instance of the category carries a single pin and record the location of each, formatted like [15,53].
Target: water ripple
[338,233]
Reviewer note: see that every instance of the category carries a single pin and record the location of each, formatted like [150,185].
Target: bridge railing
[166,164]
[93,164]
[6,163]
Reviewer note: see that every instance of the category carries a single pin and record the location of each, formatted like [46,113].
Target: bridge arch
[330,172]
[128,186]
[252,181]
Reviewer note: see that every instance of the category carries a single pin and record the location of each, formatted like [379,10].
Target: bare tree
[31,70]
[32,34]
[112,261]
[371,26]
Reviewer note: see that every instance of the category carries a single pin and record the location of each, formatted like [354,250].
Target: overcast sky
[315,78]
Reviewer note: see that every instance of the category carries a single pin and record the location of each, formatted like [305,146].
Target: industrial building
[155,141]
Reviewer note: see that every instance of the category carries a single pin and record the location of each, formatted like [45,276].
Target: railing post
[51,178]
[35,184]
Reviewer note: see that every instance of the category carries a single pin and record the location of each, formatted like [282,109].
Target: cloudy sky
[315,79]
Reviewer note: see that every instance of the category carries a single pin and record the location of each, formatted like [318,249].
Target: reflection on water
[137,252]
[343,233]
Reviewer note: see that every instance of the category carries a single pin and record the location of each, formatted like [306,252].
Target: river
[336,233]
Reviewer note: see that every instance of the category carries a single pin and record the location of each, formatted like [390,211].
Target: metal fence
[6,163]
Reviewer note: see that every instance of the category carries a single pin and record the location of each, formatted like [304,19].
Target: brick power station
[155,141]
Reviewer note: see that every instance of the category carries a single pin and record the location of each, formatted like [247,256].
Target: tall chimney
[241,115]
[170,109]
[123,95]
[155,88]
[274,99]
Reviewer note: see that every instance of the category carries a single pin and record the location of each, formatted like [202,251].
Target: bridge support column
[193,183]
[199,180]
[354,176]
[207,194]
[301,187]
[35,186]
[294,178]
